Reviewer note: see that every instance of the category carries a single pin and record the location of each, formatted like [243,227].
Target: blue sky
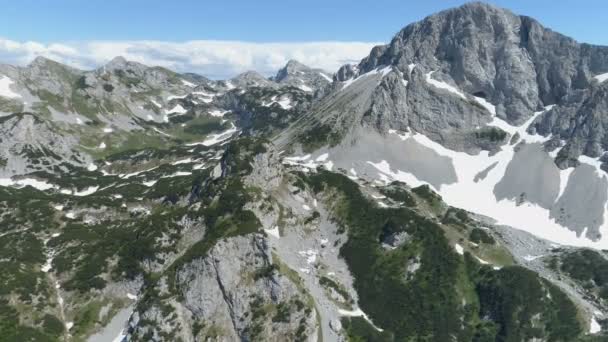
[222,38]
[264,20]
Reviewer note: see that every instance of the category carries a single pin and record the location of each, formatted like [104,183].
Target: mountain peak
[42,61]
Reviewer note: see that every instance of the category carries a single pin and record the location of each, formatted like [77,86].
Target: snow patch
[5,90]
[459,249]
[443,85]
[161,132]
[21,183]
[601,77]
[594,326]
[218,113]
[305,88]
[150,183]
[357,313]
[173,97]
[86,192]
[178,109]
[329,79]
[274,232]
[487,105]
[182,161]
[217,138]
[380,70]
[188,83]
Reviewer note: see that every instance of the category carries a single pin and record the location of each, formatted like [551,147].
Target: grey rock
[298,75]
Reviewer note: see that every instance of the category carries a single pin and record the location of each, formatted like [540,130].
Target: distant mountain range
[451,186]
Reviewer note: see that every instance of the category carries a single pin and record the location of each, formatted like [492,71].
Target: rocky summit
[451,186]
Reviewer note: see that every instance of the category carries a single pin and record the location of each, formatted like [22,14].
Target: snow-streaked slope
[601,77]
[443,85]
[5,90]
[480,197]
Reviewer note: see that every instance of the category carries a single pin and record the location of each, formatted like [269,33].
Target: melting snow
[383,71]
[161,132]
[329,79]
[273,232]
[188,83]
[284,102]
[218,113]
[305,87]
[178,109]
[70,215]
[532,257]
[216,138]
[20,183]
[150,183]
[305,207]
[459,249]
[5,90]
[443,85]
[594,326]
[357,313]
[310,255]
[182,161]
[173,97]
[601,77]
[410,67]
[322,157]
[178,174]
[487,105]
[156,103]
[87,191]
[483,262]
[131,296]
[479,196]
[102,145]
[92,167]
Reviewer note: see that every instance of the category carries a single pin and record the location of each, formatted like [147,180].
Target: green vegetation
[331,284]
[12,330]
[524,306]
[492,134]
[359,330]
[265,120]
[447,296]
[319,136]
[479,235]
[588,267]
[397,193]
[426,193]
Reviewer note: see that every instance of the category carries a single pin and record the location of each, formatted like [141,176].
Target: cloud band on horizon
[211,58]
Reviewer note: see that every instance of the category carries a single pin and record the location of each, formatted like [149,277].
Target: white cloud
[215,59]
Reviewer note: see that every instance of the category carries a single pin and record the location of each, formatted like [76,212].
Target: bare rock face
[510,61]
[30,144]
[296,74]
[236,294]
